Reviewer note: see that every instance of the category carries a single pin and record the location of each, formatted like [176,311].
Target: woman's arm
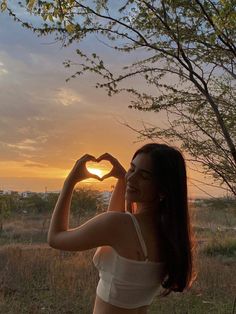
[61,213]
[101,230]
[60,217]
[117,200]
[59,234]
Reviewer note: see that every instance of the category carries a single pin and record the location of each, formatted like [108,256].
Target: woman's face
[140,177]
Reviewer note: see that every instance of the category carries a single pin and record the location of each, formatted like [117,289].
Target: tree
[85,202]
[188,55]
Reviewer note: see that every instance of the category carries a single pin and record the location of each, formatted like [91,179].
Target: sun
[98,172]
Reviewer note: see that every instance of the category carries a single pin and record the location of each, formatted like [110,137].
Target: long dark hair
[178,240]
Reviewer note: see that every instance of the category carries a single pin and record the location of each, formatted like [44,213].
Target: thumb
[94,176]
[107,175]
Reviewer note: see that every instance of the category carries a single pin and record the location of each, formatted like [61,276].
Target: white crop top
[124,282]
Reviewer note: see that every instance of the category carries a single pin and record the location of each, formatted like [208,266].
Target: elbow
[50,241]
[52,244]
[53,240]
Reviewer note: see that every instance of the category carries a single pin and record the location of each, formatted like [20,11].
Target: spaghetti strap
[137,227]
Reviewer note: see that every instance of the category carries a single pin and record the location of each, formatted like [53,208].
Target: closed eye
[146,177]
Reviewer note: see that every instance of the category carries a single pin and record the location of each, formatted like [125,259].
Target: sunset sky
[48,123]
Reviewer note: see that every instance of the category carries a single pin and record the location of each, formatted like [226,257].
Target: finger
[105,156]
[101,157]
[107,175]
[88,157]
[94,176]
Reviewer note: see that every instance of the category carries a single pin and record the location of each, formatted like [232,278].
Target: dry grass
[213,291]
[35,278]
[39,279]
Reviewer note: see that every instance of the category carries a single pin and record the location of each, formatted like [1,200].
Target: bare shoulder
[120,223]
[103,229]
[117,218]
[114,213]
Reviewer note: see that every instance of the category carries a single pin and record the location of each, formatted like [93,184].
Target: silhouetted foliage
[185,53]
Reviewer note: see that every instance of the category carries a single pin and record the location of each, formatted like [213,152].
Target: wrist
[69,183]
[122,178]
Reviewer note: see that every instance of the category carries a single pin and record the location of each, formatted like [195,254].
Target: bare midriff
[102,307]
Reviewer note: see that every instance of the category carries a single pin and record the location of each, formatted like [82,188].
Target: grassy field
[35,278]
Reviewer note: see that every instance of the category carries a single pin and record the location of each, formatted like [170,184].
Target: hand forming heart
[80,172]
[100,168]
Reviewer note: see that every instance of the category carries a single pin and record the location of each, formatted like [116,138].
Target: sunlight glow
[98,172]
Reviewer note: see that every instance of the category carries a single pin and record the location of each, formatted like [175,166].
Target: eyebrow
[140,169]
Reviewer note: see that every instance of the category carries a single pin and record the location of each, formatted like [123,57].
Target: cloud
[26,144]
[34,164]
[3,70]
[67,97]
[19,169]
[44,119]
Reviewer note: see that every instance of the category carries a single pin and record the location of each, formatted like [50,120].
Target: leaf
[3,6]
[50,17]
[70,28]
[31,4]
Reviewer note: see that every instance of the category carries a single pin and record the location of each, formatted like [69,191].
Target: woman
[145,239]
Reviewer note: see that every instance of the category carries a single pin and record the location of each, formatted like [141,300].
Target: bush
[226,247]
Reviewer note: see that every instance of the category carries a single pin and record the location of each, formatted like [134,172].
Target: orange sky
[47,124]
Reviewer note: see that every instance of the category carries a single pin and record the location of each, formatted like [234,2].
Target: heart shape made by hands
[100,168]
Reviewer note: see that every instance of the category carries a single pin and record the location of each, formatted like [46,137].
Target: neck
[144,209]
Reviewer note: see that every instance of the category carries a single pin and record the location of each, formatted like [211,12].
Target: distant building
[26,194]
[7,192]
